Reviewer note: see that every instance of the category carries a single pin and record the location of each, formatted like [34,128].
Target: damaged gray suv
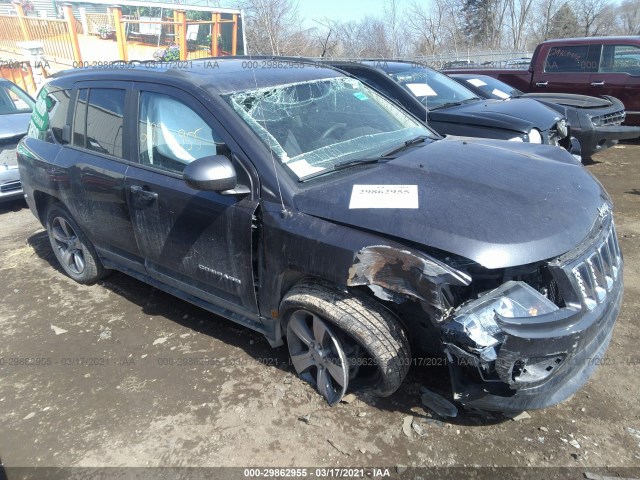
[296,201]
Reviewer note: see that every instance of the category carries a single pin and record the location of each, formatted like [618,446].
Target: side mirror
[214,173]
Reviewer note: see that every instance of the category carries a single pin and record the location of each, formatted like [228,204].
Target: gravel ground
[121,374]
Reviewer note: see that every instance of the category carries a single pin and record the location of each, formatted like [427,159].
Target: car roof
[592,40]
[394,66]
[218,75]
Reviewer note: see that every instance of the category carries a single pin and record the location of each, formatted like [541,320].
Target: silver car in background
[15,111]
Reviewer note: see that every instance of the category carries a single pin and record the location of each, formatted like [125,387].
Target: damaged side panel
[299,245]
[399,271]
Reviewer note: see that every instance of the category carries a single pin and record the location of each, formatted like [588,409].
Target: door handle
[597,84]
[542,84]
[146,195]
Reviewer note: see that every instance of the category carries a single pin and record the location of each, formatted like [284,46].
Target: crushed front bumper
[545,359]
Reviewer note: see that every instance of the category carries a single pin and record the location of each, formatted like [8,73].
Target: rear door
[618,75]
[90,169]
[567,69]
[198,242]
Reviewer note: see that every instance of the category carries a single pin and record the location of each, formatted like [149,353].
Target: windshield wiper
[446,105]
[455,104]
[406,144]
[344,165]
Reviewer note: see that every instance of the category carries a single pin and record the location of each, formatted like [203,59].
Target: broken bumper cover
[581,350]
[541,357]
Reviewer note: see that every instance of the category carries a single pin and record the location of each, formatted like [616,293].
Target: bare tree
[519,19]
[327,37]
[273,27]
[628,14]
[426,27]
[365,38]
[435,29]
[591,15]
[392,27]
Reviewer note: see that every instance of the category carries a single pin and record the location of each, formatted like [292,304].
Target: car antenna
[283,212]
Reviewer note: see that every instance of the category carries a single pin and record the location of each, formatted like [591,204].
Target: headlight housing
[596,120]
[475,328]
[535,136]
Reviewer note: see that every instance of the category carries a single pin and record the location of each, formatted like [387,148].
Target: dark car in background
[15,110]
[307,206]
[451,109]
[595,121]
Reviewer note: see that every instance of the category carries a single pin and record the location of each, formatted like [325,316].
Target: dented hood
[498,203]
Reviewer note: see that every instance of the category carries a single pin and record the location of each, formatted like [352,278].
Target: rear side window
[172,135]
[620,58]
[98,123]
[105,113]
[570,59]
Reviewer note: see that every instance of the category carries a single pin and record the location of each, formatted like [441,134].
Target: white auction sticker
[477,82]
[421,90]
[384,196]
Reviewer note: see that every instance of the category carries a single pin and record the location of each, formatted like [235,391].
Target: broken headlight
[562,128]
[535,136]
[475,327]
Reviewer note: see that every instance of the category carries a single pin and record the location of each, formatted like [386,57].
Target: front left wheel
[73,250]
[338,339]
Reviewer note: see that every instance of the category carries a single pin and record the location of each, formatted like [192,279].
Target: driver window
[171,135]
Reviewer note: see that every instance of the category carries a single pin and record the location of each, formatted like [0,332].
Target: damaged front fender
[391,271]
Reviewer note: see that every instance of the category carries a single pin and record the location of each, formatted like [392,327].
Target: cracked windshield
[314,127]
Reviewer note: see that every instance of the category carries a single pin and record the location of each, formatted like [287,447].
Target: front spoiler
[585,349]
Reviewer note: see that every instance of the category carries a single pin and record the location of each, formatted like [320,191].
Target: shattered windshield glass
[432,88]
[314,126]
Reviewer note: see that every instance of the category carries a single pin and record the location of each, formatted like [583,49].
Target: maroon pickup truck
[588,66]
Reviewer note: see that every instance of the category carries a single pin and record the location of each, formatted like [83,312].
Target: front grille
[614,118]
[598,269]
[10,186]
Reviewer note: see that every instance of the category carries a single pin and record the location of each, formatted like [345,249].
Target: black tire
[73,250]
[361,322]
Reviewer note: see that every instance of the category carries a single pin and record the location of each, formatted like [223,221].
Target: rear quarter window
[49,115]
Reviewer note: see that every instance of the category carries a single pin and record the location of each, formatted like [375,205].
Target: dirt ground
[121,374]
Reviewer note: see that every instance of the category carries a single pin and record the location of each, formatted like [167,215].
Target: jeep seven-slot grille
[599,269]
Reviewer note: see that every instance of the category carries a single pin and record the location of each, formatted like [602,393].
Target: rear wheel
[75,253]
[338,339]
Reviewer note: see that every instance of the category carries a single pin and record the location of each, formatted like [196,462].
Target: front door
[198,242]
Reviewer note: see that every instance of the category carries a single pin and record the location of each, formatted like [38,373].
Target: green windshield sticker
[360,96]
[40,114]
